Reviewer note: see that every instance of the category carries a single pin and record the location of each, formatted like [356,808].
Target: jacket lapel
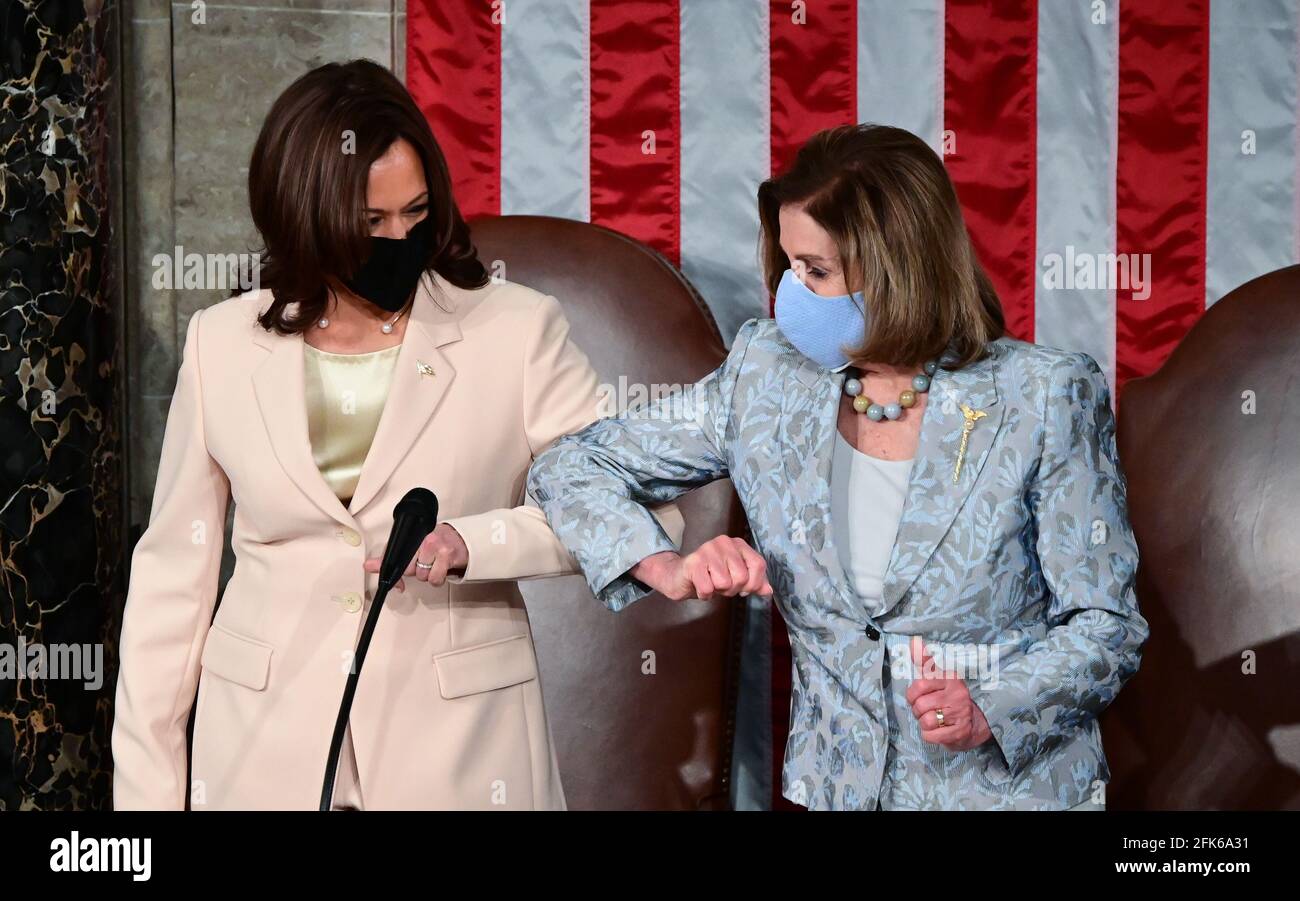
[809,412]
[420,379]
[933,498]
[279,385]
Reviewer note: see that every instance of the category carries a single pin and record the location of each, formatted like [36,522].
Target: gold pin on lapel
[971,417]
[423,368]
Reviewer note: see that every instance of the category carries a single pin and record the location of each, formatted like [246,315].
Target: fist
[964,726]
[722,567]
[443,547]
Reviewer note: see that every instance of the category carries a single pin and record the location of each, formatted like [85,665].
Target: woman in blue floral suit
[937,510]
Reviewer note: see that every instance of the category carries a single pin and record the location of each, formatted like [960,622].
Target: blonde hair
[886,200]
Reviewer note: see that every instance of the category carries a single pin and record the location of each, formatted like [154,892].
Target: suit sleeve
[172,592]
[560,396]
[593,485]
[1089,558]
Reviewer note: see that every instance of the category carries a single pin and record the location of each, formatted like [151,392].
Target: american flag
[1122,164]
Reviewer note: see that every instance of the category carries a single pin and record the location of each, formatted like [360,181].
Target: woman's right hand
[722,567]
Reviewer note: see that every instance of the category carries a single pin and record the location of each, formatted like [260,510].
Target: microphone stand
[414,517]
[345,706]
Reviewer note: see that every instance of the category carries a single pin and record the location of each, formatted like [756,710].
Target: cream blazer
[448,712]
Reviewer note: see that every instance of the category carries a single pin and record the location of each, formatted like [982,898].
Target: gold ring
[938,715]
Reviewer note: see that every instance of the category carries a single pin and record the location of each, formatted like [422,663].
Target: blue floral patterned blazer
[1021,569]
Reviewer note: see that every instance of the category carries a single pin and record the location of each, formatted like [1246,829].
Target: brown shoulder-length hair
[307,187]
[888,203]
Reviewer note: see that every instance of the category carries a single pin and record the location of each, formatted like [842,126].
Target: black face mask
[389,275]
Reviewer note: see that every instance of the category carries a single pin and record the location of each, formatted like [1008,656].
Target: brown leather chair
[1210,719]
[625,739]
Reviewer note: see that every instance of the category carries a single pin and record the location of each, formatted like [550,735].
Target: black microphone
[414,517]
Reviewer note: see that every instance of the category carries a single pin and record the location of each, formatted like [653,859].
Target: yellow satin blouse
[345,398]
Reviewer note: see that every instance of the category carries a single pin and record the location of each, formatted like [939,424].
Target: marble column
[61,402]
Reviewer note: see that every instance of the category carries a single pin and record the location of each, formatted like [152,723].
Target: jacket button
[873,633]
[349,535]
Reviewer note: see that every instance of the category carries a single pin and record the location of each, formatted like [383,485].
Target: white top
[867,495]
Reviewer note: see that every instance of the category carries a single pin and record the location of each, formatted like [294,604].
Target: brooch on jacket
[971,417]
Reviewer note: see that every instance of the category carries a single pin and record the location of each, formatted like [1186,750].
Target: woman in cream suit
[380,358]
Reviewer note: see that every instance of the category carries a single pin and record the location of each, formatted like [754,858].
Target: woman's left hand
[443,548]
[964,726]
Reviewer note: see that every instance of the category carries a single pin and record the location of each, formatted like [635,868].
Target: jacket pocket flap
[234,657]
[483,667]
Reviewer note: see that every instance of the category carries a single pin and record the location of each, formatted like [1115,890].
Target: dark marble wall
[62,552]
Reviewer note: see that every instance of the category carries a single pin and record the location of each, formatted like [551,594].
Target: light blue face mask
[819,326]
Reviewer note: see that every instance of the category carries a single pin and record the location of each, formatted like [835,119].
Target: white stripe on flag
[1078,71]
[1251,153]
[725,154]
[545,109]
[900,65]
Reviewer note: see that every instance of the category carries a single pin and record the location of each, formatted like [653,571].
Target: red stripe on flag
[814,72]
[635,121]
[453,70]
[990,108]
[1164,62]
[814,85]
